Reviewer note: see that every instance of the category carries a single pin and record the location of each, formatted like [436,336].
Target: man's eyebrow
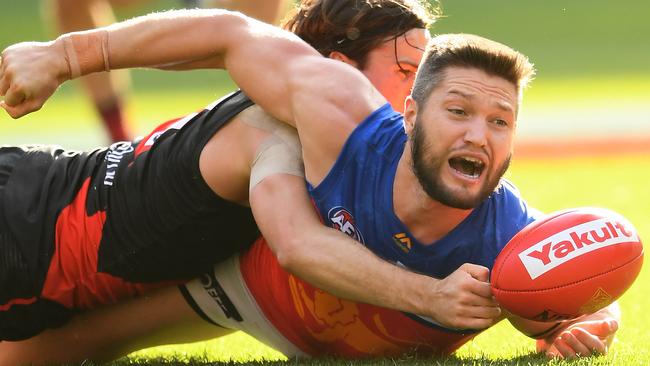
[461,94]
[504,106]
[500,104]
[408,61]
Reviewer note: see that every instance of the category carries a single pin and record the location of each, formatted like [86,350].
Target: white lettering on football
[573,242]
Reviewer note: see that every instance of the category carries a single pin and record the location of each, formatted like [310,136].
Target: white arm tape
[281,152]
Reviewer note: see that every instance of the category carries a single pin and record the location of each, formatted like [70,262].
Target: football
[567,264]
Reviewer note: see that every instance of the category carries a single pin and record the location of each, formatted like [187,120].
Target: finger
[590,341]
[480,307]
[14,96]
[483,290]
[19,110]
[474,323]
[600,328]
[478,272]
[477,300]
[4,106]
[579,348]
[604,329]
[485,312]
[9,110]
[563,348]
[4,84]
[554,354]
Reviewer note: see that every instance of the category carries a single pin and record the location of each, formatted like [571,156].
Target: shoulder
[333,94]
[509,210]
[508,195]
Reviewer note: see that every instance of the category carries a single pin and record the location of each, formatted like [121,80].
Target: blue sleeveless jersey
[356,197]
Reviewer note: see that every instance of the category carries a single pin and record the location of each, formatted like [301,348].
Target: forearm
[200,38]
[334,262]
[154,40]
[327,258]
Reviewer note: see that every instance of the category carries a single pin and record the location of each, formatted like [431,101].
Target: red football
[567,264]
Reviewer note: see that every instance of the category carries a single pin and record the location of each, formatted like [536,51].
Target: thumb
[8,109]
[14,97]
[477,272]
[17,111]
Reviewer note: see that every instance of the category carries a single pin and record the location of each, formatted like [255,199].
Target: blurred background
[592,56]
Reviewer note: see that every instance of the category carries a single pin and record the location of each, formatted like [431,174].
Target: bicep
[323,98]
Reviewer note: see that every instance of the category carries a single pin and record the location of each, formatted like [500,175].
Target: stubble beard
[428,173]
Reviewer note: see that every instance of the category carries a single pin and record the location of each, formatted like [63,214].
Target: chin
[460,196]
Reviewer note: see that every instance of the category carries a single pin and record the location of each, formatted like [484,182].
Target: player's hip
[222,298]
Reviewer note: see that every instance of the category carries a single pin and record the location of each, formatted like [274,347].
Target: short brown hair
[356,27]
[471,51]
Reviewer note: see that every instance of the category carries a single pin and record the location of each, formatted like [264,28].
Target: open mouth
[467,166]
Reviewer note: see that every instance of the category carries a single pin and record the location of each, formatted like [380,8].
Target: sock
[112,115]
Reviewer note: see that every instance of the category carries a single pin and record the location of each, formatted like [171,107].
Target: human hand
[463,300]
[589,335]
[30,72]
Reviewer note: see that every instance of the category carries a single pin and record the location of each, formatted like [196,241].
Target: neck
[427,219]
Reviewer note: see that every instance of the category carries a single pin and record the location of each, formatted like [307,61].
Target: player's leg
[222,297]
[22,312]
[269,11]
[162,317]
[105,89]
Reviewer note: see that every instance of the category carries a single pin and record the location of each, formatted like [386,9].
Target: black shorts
[83,229]
[22,312]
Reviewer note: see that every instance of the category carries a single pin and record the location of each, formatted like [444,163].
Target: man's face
[461,141]
[391,67]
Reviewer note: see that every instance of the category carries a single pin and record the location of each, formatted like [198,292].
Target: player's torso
[356,198]
[135,212]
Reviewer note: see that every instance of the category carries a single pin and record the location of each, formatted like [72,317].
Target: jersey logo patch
[343,220]
[114,156]
[403,242]
[218,294]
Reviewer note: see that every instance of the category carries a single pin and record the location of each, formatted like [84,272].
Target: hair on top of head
[356,27]
[471,51]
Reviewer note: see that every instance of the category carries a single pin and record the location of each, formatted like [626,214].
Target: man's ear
[410,114]
[336,55]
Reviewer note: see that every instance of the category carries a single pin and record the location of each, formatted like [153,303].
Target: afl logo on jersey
[344,221]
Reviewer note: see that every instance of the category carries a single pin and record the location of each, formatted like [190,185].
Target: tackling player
[137,211]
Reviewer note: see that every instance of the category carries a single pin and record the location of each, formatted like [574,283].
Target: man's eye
[406,73]
[501,122]
[457,111]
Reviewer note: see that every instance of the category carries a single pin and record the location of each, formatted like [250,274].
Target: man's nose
[476,133]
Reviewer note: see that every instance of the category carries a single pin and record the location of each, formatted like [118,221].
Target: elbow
[290,254]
